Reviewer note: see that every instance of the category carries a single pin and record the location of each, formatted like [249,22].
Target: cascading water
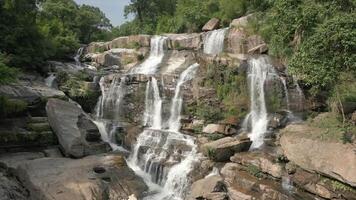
[259,71]
[174,120]
[214,41]
[77,56]
[108,109]
[153,105]
[164,158]
[151,64]
[51,81]
[285,88]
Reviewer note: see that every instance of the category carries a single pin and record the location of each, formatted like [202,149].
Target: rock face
[211,187]
[236,41]
[221,150]
[131,42]
[214,128]
[93,177]
[211,24]
[262,161]
[10,188]
[240,22]
[330,158]
[184,41]
[77,134]
[30,94]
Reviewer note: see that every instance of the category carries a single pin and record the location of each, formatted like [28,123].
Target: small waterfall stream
[77,56]
[259,71]
[151,64]
[174,120]
[50,81]
[214,41]
[164,158]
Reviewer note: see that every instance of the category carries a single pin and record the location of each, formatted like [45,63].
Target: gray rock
[184,41]
[211,24]
[11,189]
[31,94]
[92,177]
[221,150]
[303,145]
[77,134]
[13,160]
[211,187]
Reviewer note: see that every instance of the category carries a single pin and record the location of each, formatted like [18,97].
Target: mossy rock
[39,127]
[44,138]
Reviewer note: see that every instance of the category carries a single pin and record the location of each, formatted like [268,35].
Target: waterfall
[285,88]
[107,110]
[51,81]
[77,56]
[151,64]
[259,71]
[153,105]
[214,41]
[176,107]
[164,158]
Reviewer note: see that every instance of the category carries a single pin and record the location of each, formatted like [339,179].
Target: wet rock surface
[92,177]
[74,129]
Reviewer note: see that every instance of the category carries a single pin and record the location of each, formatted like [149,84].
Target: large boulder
[211,187]
[263,161]
[184,41]
[236,41]
[10,188]
[93,177]
[241,22]
[211,24]
[95,47]
[131,42]
[77,134]
[221,150]
[304,146]
[31,94]
[214,128]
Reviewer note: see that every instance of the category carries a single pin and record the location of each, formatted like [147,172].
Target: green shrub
[7,74]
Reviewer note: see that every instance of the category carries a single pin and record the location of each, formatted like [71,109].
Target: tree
[91,21]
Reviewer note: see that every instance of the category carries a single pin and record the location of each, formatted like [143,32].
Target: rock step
[38,119]
[39,127]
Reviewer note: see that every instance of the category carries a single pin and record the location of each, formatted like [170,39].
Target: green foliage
[163,16]
[211,153]
[337,185]
[316,37]
[255,171]
[7,74]
[11,106]
[207,112]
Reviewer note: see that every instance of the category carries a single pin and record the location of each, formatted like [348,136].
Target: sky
[113,9]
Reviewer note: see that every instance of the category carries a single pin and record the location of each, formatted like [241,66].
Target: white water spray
[176,107]
[151,64]
[153,105]
[260,70]
[214,41]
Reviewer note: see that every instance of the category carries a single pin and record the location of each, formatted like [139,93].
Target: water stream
[214,41]
[260,70]
[151,64]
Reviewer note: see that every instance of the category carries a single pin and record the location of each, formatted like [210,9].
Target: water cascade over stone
[285,88]
[151,64]
[77,56]
[174,120]
[51,81]
[108,109]
[214,41]
[260,70]
[164,158]
[153,105]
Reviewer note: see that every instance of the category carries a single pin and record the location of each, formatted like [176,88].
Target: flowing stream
[260,70]
[151,64]
[164,158]
[214,41]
